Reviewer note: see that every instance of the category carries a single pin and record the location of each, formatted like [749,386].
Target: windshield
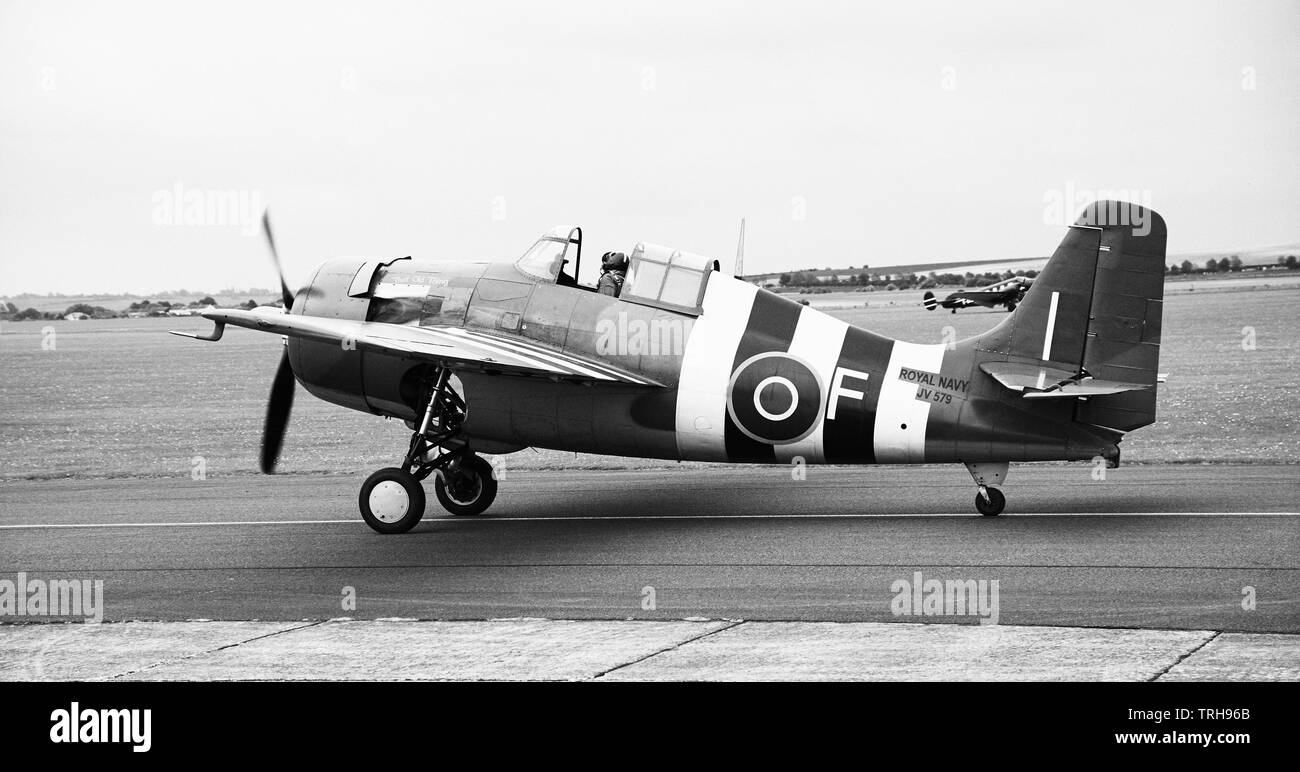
[544,259]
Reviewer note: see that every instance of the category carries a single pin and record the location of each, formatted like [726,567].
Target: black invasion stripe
[772,321]
[850,438]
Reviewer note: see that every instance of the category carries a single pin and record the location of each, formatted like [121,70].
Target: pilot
[613,272]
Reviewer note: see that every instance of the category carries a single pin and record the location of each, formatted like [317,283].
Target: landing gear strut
[392,500]
[989,501]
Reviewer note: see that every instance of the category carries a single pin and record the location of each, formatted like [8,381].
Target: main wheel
[469,490]
[391,500]
[993,505]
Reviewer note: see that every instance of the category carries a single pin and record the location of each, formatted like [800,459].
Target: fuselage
[748,376]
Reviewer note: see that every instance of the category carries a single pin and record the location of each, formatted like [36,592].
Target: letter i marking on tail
[1051,327]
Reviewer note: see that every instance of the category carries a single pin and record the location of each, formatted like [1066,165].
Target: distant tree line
[1230,264]
[10,312]
[819,281]
[814,280]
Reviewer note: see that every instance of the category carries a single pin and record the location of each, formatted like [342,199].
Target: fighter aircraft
[689,363]
[1004,293]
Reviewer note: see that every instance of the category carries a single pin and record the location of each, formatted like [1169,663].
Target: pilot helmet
[613,261]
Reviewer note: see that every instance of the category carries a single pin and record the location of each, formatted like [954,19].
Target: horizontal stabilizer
[1039,382]
[1088,387]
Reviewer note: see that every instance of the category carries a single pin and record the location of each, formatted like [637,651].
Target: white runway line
[615,518]
[204,524]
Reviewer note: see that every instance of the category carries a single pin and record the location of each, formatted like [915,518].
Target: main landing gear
[392,500]
[989,500]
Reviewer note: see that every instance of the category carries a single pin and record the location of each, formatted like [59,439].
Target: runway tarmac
[1211,550]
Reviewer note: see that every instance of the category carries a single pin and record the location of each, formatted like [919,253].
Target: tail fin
[928,300]
[1095,311]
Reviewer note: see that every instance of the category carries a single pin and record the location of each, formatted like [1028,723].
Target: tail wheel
[991,506]
[467,490]
[391,501]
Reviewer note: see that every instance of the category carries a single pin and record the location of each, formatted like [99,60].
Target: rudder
[1123,341]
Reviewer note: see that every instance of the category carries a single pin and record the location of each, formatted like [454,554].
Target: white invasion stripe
[574,367]
[818,340]
[500,344]
[576,361]
[1042,378]
[535,348]
[898,406]
[545,362]
[583,365]
[706,368]
[513,358]
[1051,327]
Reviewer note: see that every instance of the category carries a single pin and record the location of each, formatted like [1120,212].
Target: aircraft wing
[983,298]
[1036,382]
[455,348]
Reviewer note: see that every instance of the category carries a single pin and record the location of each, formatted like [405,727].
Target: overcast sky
[894,133]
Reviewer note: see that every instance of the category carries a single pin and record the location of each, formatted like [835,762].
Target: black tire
[995,504]
[1011,307]
[381,505]
[472,487]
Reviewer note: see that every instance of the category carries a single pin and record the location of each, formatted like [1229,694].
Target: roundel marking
[775,398]
[793,398]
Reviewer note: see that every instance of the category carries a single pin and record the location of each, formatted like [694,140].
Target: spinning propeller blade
[280,403]
[277,414]
[285,294]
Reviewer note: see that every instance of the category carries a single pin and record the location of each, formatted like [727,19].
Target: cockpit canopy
[657,276]
[662,276]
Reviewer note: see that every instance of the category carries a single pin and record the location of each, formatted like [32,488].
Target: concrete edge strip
[206,652]
[722,625]
[678,645]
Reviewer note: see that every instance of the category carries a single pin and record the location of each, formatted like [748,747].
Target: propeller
[280,403]
[285,294]
[277,414]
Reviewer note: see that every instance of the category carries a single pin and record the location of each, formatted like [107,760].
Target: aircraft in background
[689,363]
[1004,293]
